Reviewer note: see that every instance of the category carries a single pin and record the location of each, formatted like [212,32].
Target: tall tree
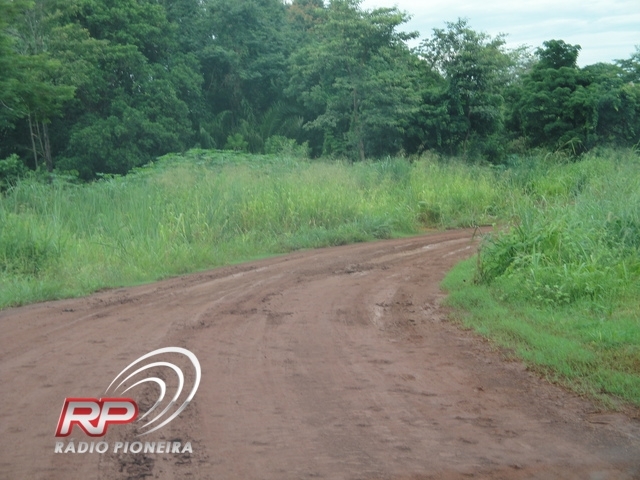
[467,104]
[134,93]
[553,107]
[244,61]
[354,79]
[617,103]
[631,67]
[557,54]
[33,93]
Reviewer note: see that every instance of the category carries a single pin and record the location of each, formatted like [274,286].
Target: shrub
[11,169]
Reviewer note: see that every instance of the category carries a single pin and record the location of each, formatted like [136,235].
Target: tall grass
[206,209]
[582,241]
[560,286]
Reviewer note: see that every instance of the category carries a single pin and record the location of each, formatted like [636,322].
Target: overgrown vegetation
[92,87]
[557,283]
[95,89]
[560,287]
[208,208]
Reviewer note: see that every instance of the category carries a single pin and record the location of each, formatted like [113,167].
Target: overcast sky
[606,29]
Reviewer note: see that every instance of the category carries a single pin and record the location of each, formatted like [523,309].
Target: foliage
[27,246]
[584,244]
[559,287]
[145,116]
[206,208]
[560,106]
[104,86]
[594,354]
[617,101]
[355,79]
[31,92]
[288,147]
[468,99]
[236,142]
[11,170]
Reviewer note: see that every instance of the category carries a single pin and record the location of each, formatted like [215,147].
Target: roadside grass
[557,284]
[207,208]
[560,287]
[593,353]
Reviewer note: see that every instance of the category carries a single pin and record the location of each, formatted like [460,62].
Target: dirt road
[333,364]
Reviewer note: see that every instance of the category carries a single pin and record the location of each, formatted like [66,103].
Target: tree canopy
[103,86]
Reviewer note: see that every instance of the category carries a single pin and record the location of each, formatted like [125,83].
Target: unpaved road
[333,364]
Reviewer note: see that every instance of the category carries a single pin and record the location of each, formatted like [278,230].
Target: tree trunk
[47,148]
[45,145]
[33,142]
[39,136]
[466,137]
[356,126]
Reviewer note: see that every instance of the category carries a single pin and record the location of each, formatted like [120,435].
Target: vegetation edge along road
[559,287]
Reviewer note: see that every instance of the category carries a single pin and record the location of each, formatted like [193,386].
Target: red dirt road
[333,364]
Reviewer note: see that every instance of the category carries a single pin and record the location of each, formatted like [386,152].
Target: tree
[465,105]
[557,54]
[303,16]
[30,85]
[244,62]
[617,104]
[354,80]
[553,107]
[135,90]
[631,67]
[9,70]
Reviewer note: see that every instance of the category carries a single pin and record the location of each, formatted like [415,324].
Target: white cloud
[606,29]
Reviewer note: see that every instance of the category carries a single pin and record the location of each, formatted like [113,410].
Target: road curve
[335,363]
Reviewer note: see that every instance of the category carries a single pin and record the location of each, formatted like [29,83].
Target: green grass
[205,209]
[593,353]
[560,287]
[557,285]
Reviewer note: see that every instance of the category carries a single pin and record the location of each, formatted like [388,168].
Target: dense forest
[94,87]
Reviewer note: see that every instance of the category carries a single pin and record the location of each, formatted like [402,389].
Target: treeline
[102,86]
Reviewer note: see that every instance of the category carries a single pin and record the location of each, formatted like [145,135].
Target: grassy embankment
[560,288]
[210,208]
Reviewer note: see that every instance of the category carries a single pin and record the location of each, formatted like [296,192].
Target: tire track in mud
[333,363]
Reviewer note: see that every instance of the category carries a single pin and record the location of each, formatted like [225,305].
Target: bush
[11,170]
[578,239]
[237,143]
[288,147]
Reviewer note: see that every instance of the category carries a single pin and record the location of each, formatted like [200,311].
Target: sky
[606,30]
